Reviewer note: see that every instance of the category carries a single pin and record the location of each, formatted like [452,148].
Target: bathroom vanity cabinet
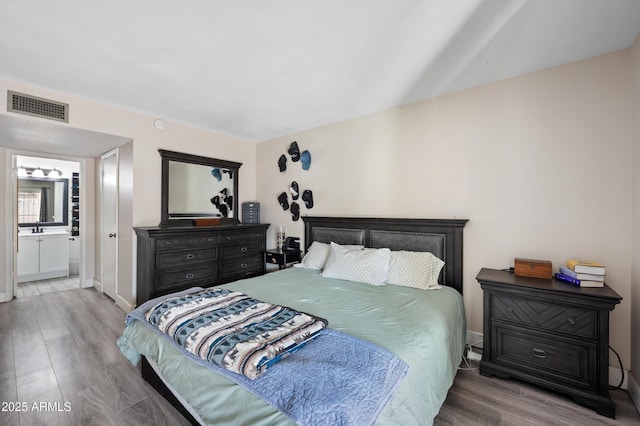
[43,255]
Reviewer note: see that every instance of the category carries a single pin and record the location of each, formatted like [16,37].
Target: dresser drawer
[241,237]
[243,267]
[186,242]
[185,278]
[571,362]
[171,258]
[549,316]
[247,249]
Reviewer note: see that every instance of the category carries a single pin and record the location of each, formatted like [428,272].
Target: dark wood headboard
[442,237]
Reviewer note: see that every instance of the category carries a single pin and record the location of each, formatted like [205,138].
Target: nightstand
[282,257]
[548,333]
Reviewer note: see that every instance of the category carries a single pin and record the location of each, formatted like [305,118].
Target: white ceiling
[260,69]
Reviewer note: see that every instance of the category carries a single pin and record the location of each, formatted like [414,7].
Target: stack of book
[582,273]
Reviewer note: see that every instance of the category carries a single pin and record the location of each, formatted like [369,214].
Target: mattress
[425,328]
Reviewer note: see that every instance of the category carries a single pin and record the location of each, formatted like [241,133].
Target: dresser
[548,333]
[171,259]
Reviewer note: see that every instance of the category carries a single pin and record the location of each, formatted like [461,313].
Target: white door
[110,224]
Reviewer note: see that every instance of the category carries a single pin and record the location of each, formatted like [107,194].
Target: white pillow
[367,265]
[317,254]
[414,269]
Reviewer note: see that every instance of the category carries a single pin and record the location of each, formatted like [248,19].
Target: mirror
[198,187]
[43,200]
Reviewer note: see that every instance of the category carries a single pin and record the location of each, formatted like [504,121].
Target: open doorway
[39,138]
[48,206]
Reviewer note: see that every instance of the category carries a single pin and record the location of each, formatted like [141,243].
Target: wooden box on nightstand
[548,333]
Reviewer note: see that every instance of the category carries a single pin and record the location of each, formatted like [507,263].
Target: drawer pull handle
[243,265]
[244,249]
[190,256]
[189,275]
[571,321]
[539,353]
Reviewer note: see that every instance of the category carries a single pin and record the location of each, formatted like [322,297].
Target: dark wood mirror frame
[165,219]
[64,199]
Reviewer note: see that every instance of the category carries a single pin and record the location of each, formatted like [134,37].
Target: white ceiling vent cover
[37,107]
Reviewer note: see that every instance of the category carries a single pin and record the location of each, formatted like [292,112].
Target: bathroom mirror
[43,200]
[196,187]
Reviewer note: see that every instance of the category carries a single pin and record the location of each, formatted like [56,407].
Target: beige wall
[144,185]
[538,164]
[635,218]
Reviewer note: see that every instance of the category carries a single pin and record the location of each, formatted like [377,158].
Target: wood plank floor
[477,400]
[60,348]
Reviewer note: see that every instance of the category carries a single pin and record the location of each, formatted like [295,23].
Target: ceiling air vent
[37,107]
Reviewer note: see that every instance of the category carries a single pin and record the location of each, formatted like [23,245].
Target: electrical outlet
[474,356]
[474,339]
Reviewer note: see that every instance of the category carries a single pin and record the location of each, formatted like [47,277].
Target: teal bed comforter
[425,328]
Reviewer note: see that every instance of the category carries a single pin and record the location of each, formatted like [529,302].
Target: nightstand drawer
[572,362]
[549,316]
[282,258]
[172,258]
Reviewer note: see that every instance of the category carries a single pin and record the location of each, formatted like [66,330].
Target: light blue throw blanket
[335,379]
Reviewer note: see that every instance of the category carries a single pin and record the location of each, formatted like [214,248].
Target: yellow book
[586,266]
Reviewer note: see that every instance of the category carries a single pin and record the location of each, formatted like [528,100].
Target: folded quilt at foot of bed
[233,330]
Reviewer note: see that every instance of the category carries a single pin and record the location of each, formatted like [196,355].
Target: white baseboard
[615,374]
[97,285]
[474,338]
[43,276]
[634,391]
[123,304]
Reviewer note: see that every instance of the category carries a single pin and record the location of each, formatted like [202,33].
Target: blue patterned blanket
[337,379]
[233,330]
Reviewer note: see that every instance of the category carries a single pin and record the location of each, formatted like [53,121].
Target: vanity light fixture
[55,173]
[39,172]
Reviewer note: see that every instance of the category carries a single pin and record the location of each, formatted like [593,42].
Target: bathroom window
[28,207]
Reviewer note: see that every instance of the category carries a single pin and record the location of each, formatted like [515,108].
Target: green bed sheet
[425,328]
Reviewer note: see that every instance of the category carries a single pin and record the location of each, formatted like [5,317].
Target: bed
[424,328]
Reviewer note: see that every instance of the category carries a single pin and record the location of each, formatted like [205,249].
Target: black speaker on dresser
[251,212]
